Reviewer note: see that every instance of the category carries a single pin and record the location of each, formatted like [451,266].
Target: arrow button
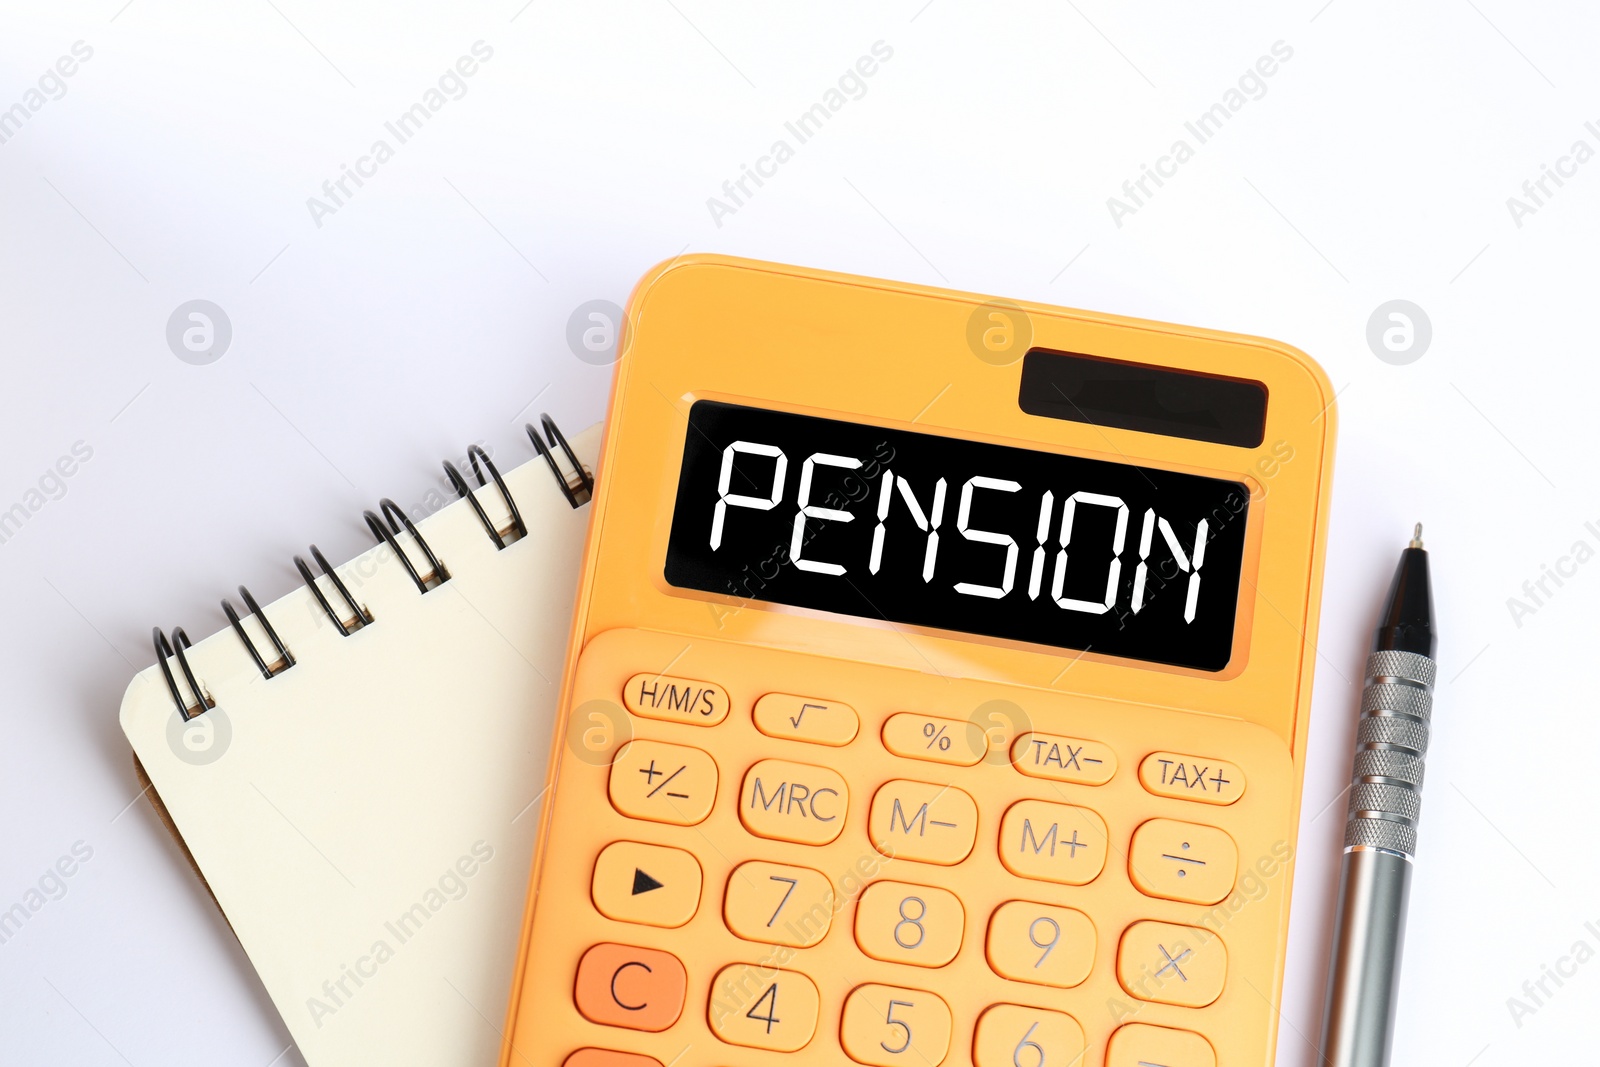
[651,884]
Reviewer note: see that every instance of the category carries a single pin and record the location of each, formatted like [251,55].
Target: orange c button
[639,988]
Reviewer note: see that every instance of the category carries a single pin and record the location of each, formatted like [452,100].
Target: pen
[1381,835]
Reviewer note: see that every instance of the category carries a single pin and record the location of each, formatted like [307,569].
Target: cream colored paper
[368,825]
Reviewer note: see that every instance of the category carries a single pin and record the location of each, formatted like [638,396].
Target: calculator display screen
[935,531]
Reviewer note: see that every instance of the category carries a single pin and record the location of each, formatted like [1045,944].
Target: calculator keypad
[835,879]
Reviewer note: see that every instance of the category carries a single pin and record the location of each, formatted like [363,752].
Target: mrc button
[1210,781]
[661,696]
[793,802]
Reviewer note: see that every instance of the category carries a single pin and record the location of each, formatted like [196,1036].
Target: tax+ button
[1210,781]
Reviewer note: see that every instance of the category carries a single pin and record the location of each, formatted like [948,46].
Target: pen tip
[1416,536]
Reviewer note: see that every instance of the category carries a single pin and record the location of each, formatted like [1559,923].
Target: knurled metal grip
[1391,747]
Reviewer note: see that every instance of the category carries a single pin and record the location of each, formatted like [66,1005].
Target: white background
[431,310]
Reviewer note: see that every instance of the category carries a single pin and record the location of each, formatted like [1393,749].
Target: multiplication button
[663,783]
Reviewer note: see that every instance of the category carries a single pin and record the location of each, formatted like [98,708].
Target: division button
[650,884]
[1182,861]
[639,988]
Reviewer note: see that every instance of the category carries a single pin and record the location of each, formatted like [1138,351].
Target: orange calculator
[938,689]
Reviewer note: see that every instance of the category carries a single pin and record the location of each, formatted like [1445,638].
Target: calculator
[938,688]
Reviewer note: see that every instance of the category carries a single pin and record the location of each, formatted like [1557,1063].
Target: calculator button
[604,1057]
[1064,759]
[649,884]
[1010,1034]
[1172,964]
[822,722]
[923,821]
[661,696]
[1053,842]
[902,923]
[778,904]
[887,1026]
[939,740]
[1182,861]
[663,783]
[1139,1045]
[793,802]
[759,1007]
[1210,781]
[640,988]
[1040,943]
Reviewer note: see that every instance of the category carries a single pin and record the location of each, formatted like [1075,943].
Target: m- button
[923,821]
[793,802]
[639,988]
[1210,781]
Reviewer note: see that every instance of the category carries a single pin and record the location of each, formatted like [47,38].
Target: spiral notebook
[356,768]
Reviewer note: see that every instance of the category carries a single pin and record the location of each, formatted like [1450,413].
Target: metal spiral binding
[437,575]
[500,537]
[577,493]
[362,618]
[285,659]
[164,652]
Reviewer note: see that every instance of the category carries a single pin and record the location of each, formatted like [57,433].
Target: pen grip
[1391,750]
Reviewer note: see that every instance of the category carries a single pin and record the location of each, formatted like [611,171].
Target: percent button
[950,741]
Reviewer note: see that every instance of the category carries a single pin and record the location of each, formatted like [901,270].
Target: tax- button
[1172,964]
[1053,842]
[660,696]
[793,802]
[663,783]
[1182,861]
[1210,781]
[1064,759]
[650,884]
[639,988]
[821,722]
[1139,1045]
[923,821]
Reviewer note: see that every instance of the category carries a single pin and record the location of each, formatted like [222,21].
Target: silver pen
[1380,836]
